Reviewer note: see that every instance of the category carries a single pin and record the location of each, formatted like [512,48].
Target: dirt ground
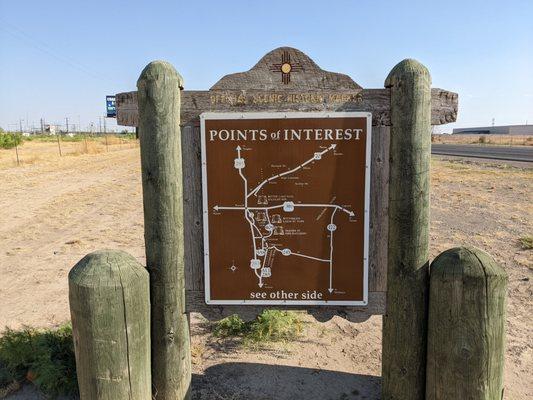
[56,210]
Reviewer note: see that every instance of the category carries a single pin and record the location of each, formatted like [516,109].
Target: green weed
[269,326]
[45,357]
[231,326]
[526,242]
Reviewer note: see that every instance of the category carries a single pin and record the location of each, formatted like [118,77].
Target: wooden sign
[286,207]
[285,80]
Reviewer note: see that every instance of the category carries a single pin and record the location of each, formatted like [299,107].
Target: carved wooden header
[288,80]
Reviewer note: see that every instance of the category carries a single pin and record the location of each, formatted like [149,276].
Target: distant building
[51,129]
[497,130]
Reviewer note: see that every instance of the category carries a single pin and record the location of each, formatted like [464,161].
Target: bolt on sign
[286,206]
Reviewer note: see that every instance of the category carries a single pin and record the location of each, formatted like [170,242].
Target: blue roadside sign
[110,107]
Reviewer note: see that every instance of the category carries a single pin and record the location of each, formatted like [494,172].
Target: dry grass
[526,242]
[38,152]
[504,140]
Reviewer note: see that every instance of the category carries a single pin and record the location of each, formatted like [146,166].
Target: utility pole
[66,120]
[20,125]
[42,126]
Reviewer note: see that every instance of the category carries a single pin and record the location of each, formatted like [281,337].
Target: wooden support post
[110,310]
[405,322]
[159,117]
[466,330]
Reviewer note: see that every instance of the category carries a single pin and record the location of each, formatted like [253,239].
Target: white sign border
[281,115]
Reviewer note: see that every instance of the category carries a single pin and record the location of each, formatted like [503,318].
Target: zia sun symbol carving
[286,67]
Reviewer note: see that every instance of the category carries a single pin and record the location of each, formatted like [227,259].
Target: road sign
[110,107]
[286,207]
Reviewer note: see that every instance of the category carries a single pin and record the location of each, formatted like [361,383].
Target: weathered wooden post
[110,311]
[405,323]
[466,330]
[159,125]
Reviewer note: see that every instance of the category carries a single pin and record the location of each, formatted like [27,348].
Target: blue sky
[60,58]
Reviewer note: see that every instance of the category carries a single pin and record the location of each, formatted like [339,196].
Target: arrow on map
[215,208]
[238,148]
[330,289]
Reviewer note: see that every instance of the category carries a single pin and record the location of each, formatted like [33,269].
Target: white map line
[263,238]
[350,213]
[330,289]
[257,264]
[314,158]
[255,226]
[246,216]
[312,258]
[260,284]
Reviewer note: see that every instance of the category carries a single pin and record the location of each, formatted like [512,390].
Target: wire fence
[18,150]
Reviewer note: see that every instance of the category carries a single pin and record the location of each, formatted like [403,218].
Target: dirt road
[55,212]
[52,215]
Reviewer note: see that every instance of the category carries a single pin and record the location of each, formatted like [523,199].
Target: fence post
[59,143]
[159,117]
[17,147]
[466,329]
[110,311]
[405,323]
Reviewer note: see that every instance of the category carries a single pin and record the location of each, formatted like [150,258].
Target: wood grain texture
[306,73]
[466,329]
[379,210]
[405,323]
[161,164]
[376,305]
[193,211]
[376,101]
[110,312]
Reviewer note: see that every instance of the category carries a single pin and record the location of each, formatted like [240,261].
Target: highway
[507,153]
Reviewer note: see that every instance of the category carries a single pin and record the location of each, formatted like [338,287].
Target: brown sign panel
[286,207]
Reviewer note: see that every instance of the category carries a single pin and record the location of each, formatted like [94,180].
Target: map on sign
[286,207]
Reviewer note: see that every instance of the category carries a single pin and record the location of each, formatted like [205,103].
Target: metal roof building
[497,130]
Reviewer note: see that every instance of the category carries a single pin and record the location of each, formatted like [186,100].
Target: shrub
[10,140]
[269,326]
[482,139]
[44,357]
[275,325]
[526,242]
[231,326]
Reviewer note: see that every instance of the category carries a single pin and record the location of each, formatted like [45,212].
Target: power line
[19,34]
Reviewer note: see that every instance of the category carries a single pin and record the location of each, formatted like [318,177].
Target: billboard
[111,110]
